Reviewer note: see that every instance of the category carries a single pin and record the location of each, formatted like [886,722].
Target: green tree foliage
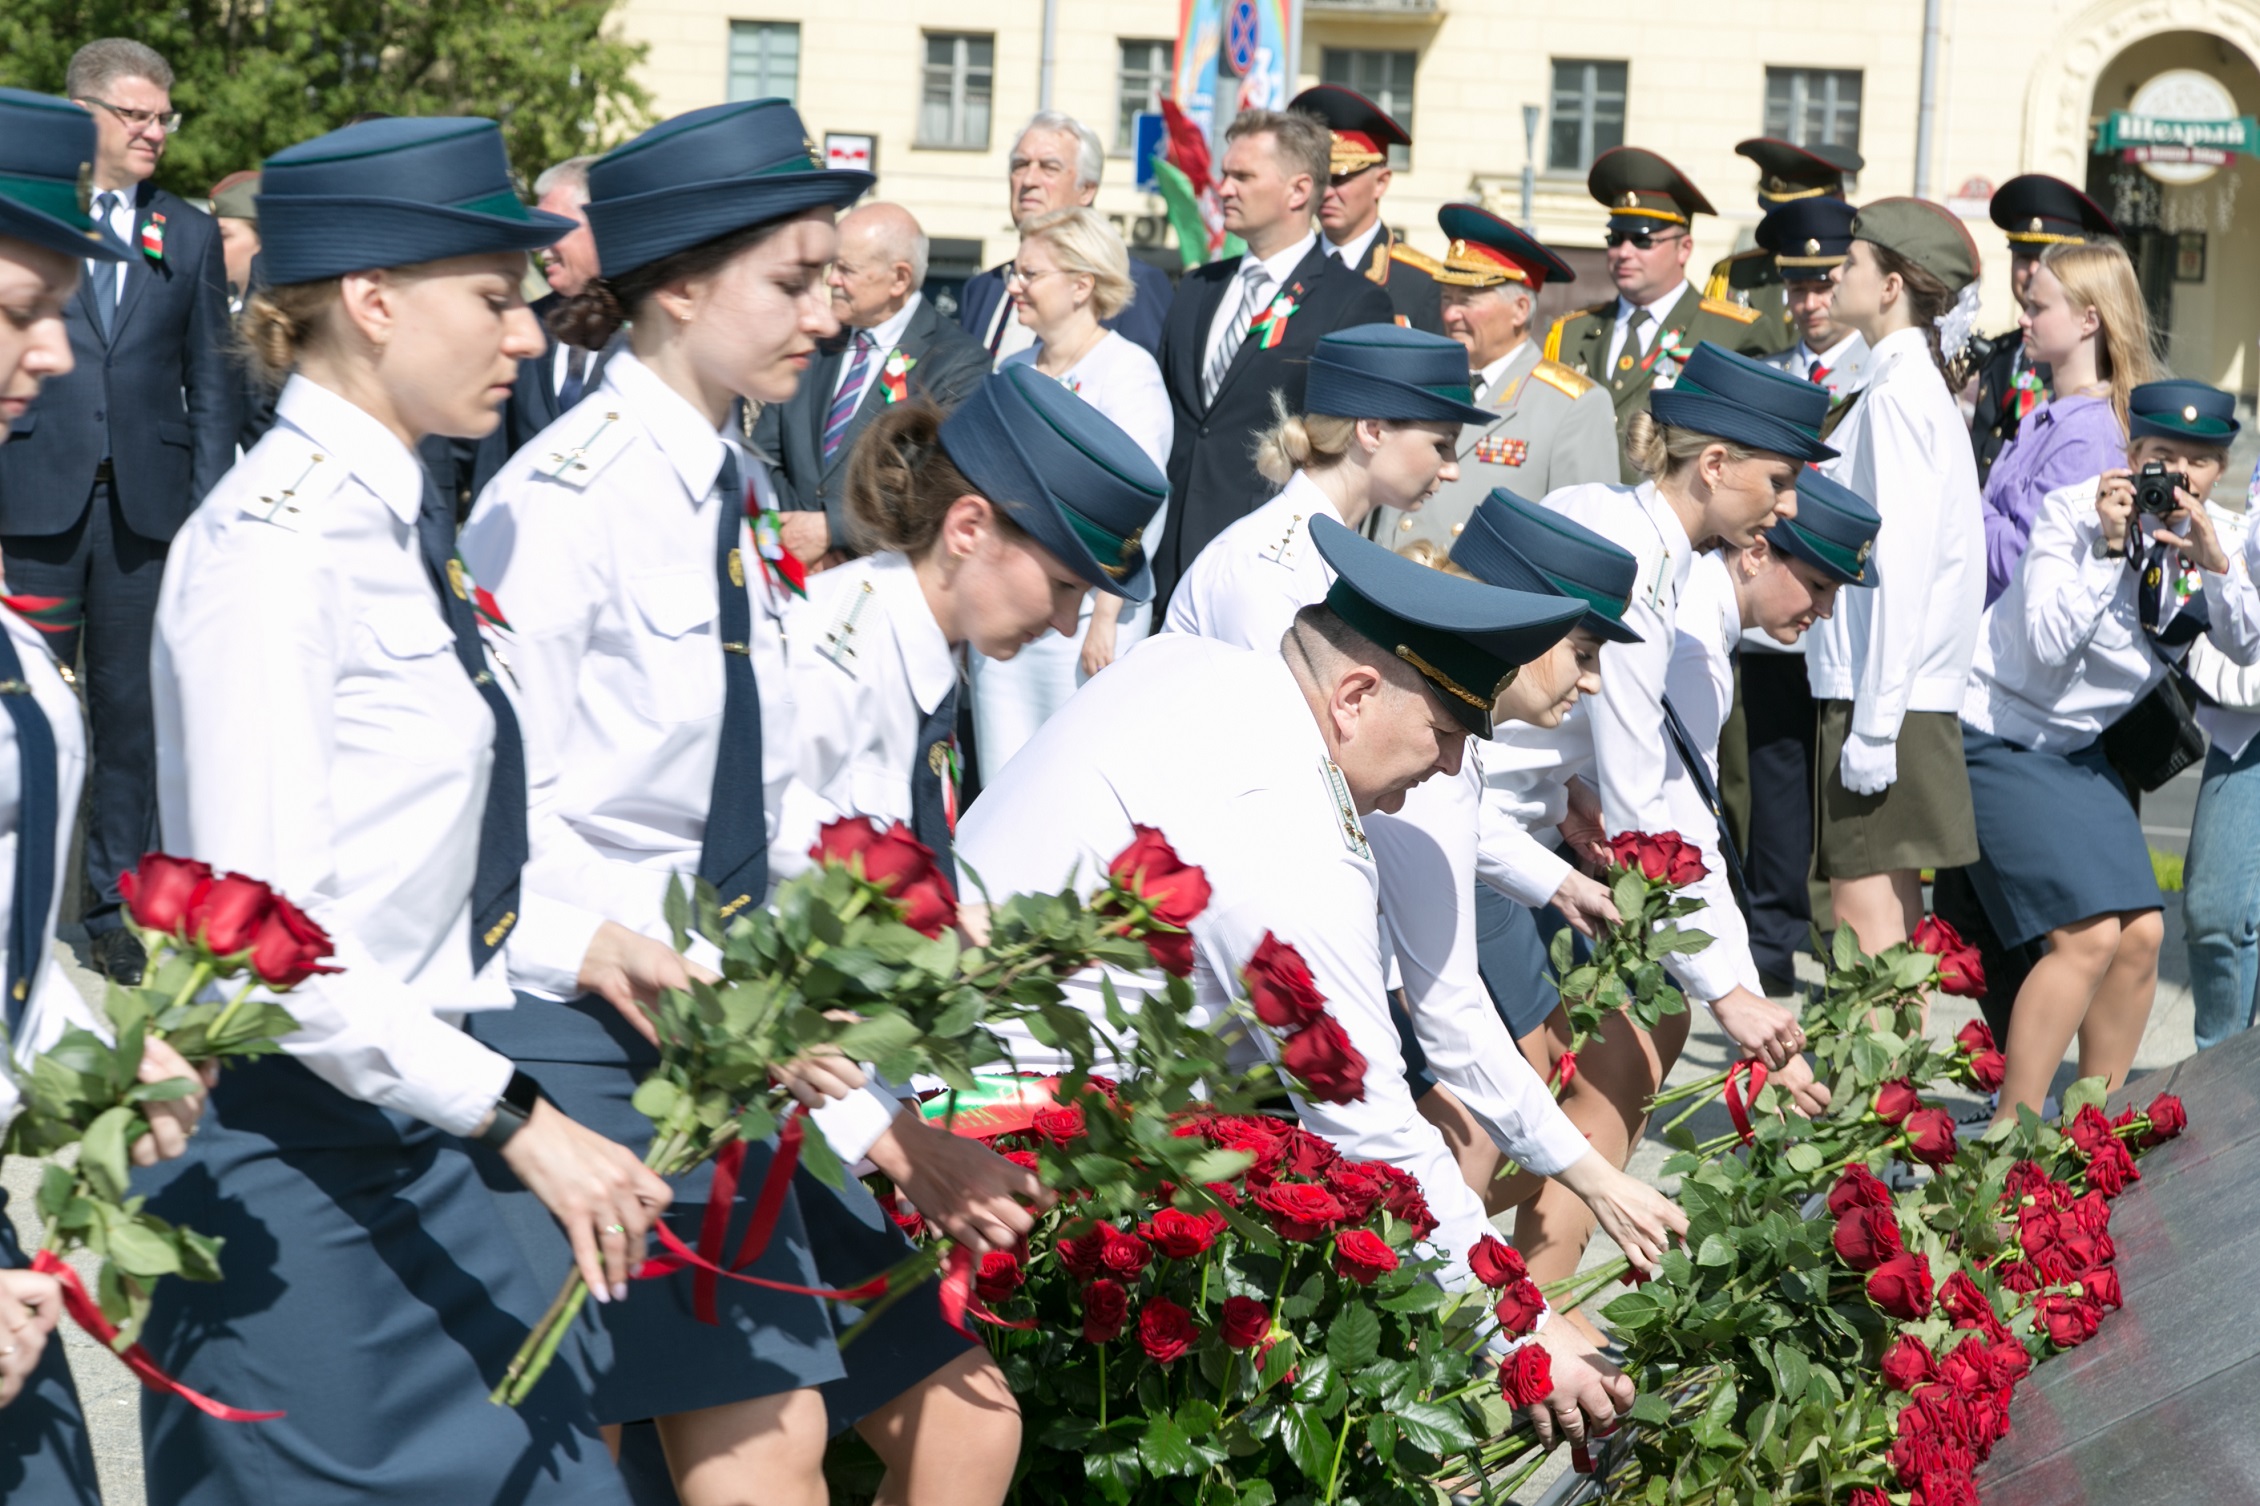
[255,76]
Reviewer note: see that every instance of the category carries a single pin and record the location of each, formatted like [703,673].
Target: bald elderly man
[891,344]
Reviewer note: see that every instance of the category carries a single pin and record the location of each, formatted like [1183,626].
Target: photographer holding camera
[2121,574]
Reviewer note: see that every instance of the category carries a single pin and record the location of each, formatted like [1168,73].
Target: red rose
[1321,1056]
[1624,852]
[897,863]
[1987,1069]
[1300,1211]
[2092,1212]
[1684,865]
[1519,1306]
[1124,1254]
[1362,1256]
[1496,1263]
[1961,971]
[2113,1170]
[2090,1131]
[1165,1330]
[1404,1200]
[1024,1159]
[1965,1302]
[1356,1185]
[1947,1487]
[159,890]
[1106,1307]
[227,912]
[1907,1363]
[2067,1320]
[2010,1362]
[1178,1234]
[289,948]
[1526,1377]
[1662,857]
[1059,1124]
[1858,1187]
[2026,1179]
[1868,1495]
[908,1219]
[1901,1287]
[1246,1323]
[1895,1100]
[2167,1119]
[1867,1237]
[1001,1276]
[837,841]
[1083,1254]
[1264,1139]
[2020,1276]
[2101,1286]
[1976,1036]
[1172,951]
[1308,1155]
[1174,890]
[1930,1136]
[1280,986]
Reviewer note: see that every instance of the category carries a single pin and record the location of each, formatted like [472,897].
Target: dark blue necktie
[933,782]
[734,857]
[37,809]
[1692,758]
[570,391]
[502,829]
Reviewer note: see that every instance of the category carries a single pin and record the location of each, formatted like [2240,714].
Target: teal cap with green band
[1389,372]
[46,170]
[1834,530]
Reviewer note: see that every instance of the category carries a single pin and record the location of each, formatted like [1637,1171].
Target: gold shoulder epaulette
[1411,258]
[1559,377]
[1553,347]
[1734,311]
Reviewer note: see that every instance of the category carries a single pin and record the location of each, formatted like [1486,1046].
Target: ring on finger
[615,1228]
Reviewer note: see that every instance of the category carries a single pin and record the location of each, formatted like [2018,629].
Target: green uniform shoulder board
[1734,311]
[1559,377]
[1553,350]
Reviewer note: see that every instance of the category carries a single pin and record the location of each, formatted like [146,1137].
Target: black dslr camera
[2154,488]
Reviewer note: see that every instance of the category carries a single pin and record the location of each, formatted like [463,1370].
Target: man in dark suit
[95,481]
[1242,329]
[1055,165]
[891,345]
[1349,211]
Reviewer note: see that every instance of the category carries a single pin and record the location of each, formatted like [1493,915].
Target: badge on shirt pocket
[1497,450]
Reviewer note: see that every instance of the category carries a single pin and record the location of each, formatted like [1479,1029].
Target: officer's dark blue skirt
[375,1293]
[1510,950]
[652,1357]
[2058,840]
[44,1454]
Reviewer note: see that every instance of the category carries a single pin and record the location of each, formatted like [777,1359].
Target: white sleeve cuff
[457,1081]
[852,1125]
[548,945]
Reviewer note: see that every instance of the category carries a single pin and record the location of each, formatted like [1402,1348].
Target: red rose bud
[1962,1300]
[1174,890]
[1526,1377]
[1907,1363]
[1930,1136]
[1165,1330]
[1083,1254]
[1519,1306]
[1988,1069]
[1936,936]
[2113,1170]
[1246,1323]
[1362,1256]
[1866,1238]
[1683,864]
[1178,1234]
[2101,1286]
[2026,1179]
[289,948]
[1895,1100]
[1300,1212]
[904,867]
[1106,1308]
[1624,851]
[2167,1119]
[1496,1263]
[1404,1200]
[1001,1275]
[2068,1321]
[1124,1254]
[225,917]
[1280,986]
[2020,1276]
[2090,1131]
[1974,1037]
[1320,1054]
[1901,1287]
[1858,1187]
[160,890]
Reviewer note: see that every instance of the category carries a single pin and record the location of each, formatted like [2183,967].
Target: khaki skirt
[1923,820]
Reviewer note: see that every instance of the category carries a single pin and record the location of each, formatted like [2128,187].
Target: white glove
[1869,765]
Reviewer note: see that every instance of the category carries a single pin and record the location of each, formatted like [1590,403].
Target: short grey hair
[1090,152]
[102,63]
[897,235]
[573,172]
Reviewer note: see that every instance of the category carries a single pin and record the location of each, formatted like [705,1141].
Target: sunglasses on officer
[1642,240]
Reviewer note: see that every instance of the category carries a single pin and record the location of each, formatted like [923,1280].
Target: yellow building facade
[941,86]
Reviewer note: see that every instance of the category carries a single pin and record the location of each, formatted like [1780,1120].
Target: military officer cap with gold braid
[1808,237]
[1487,251]
[1642,192]
[1788,172]
[1363,131]
[2036,211]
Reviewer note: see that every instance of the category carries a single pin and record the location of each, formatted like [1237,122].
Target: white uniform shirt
[1251,580]
[1905,644]
[2236,720]
[55,1004]
[1256,804]
[1352,253]
[1843,366]
[315,729]
[1701,683]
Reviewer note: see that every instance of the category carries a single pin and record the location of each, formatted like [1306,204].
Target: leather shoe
[119,956]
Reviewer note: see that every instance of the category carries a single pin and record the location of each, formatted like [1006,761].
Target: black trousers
[1777,848]
[116,573]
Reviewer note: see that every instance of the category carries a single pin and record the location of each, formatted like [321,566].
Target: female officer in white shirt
[2065,651]
[371,768]
[1890,669]
[44,237]
[1381,428]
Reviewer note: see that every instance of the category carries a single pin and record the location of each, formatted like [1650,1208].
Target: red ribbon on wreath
[87,1314]
[1738,1107]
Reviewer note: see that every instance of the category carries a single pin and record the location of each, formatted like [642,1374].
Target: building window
[1588,114]
[1386,78]
[765,60]
[954,111]
[1814,106]
[1146,67]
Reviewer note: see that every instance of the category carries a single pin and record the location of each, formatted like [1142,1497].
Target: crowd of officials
[470,622]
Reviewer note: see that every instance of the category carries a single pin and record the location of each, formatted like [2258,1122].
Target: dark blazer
[946,365]
[1213,481]
[982,307]
[1404,272]
[160,393]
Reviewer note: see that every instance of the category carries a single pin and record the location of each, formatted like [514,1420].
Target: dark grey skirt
[2058,840]
[44,1453]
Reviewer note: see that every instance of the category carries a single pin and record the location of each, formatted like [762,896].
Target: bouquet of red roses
[1647,874]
